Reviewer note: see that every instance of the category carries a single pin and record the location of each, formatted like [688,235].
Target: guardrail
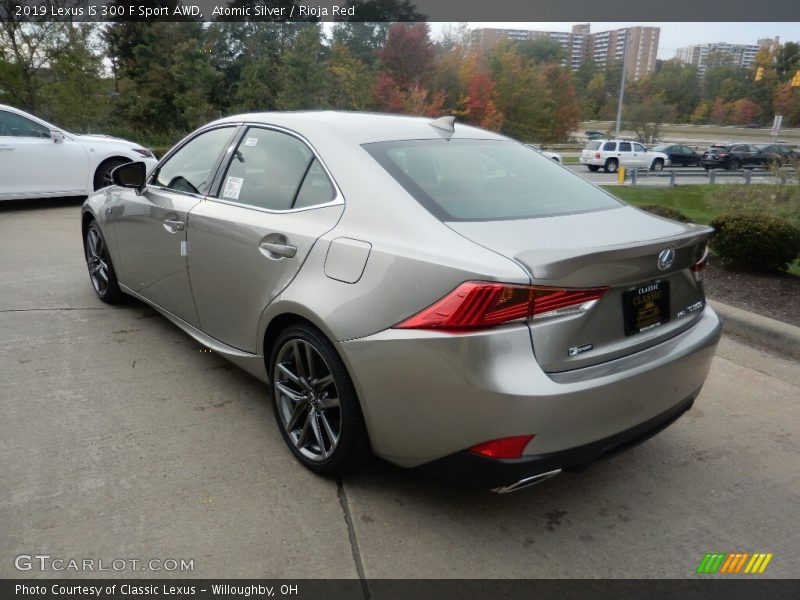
[637,174]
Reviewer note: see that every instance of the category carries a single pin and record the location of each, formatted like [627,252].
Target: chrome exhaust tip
[525,483]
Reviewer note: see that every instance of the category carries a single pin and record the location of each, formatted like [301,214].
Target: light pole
[622,85]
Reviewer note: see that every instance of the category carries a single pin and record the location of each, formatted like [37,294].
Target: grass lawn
[689,199]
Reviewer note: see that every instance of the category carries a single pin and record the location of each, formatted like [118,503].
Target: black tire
[611,166]
[102,177]
[733,165]
[351,446]
[101,269]
[593,167]
[657,165]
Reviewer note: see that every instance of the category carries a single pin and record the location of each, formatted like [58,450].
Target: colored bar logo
[734,563]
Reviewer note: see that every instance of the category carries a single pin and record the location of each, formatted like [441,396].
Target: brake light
[723,154]
[597,155]
[700,266]
[477,304]
[510,447]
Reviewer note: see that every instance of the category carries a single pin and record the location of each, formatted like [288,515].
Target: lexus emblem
[665,258]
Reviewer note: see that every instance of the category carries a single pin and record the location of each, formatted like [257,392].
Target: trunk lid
[617,248]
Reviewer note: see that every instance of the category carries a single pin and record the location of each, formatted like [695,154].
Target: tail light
[477,304]
[597,155]
[700,266]
[510,447]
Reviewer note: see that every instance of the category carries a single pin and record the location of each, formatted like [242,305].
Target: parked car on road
[611,154]
[430,291]
[591,134]
[40,160]
[551,155]
[733,157]
[680,155]
[779,154]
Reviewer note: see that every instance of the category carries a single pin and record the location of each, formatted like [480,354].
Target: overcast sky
[676,35]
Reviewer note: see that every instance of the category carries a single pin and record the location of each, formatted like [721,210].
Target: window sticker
[251,141]
[233,187]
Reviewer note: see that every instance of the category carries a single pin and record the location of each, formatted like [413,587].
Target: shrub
[753,241]
[782,201]
[667,212]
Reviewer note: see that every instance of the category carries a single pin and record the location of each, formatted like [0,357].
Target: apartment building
[742,55]
[581,45]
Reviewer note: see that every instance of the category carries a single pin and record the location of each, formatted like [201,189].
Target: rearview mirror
[57,136]
[130,175]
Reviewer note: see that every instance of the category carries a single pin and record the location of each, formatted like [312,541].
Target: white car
[40,160]
[550,155]
[613,154]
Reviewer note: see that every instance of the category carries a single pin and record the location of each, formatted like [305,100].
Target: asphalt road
[119,438]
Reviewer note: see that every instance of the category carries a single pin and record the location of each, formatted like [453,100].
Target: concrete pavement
[120,438]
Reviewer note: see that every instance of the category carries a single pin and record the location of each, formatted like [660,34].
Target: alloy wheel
[97,260]
[307,400]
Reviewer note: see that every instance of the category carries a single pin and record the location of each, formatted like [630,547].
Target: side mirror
[57,136]
[130,175]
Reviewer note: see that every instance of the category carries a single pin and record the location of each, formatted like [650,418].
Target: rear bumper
[473,470]
[714,164]
[429,395]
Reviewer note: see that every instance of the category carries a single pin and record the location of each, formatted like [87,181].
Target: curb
[776,335]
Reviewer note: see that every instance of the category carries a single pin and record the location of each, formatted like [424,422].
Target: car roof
[359,127]
[615,140]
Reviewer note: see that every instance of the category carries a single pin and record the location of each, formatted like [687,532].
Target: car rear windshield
[593,146]
[486,180]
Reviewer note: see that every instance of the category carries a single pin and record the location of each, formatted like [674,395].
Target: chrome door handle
[173,225]
[285,250]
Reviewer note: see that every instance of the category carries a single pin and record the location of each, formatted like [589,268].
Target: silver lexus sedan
[433,293]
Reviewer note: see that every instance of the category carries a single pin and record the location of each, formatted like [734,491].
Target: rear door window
[275,171]
[624,146]
[610,146]
[266,170]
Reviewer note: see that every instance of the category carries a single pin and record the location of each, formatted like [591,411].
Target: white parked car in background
[613,154]
[40,160]
[550,155]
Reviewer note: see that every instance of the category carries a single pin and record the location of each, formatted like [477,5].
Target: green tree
[362,40]
[645,119]
[350,81]
[26,54]
[302,74]
[541,50]
[77,96]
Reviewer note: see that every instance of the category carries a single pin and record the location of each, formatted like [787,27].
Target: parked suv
[611,154]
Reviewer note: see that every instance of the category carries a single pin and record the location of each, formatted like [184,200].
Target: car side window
[639,148]
[14,125]
[624,146]
[610,146]
[316,188]
[191,168]
[274,171]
